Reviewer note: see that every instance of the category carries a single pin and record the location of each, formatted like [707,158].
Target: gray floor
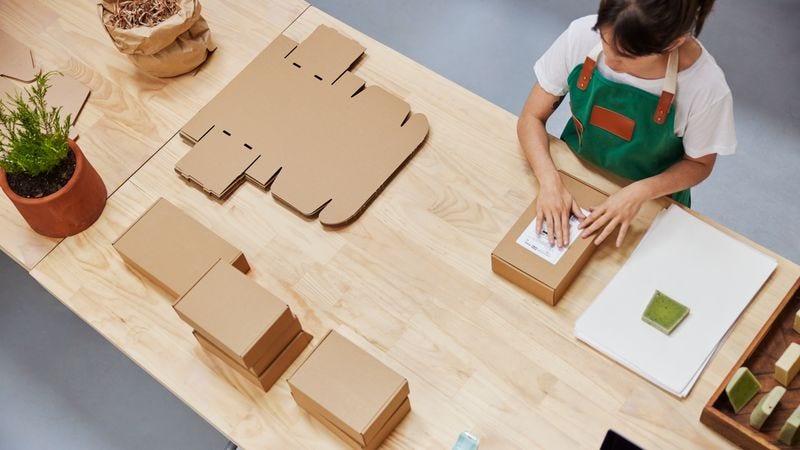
[63,386]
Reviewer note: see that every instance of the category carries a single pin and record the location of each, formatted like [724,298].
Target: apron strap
[668,91]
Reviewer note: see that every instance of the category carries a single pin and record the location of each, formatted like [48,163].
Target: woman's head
[635,28]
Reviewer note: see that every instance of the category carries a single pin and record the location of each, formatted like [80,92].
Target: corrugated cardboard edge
[531,283]
[293,329]
[397,416]
[274,371]
[363,436]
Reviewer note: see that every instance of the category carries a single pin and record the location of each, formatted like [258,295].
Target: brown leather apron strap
[668,91]
[588,67]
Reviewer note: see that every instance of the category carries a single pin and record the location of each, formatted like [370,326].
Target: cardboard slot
[322,148]
[348,387]
[273,371]
[173,250]
[235,313]
[536,275]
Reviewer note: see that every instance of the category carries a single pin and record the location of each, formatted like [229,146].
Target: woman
[648,103]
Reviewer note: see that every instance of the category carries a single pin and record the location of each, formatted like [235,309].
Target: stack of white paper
[713,274]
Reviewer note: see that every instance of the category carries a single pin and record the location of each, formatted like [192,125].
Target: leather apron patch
[613,122]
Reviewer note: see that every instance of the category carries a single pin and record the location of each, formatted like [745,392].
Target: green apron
[621,128]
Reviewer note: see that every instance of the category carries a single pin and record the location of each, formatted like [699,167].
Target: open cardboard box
[535,274]
[297,121]
[173,250]
[237,315]
[273,370]
[350,391]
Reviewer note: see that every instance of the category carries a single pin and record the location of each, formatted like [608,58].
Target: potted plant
[42,171]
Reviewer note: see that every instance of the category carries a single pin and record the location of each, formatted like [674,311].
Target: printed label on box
[539,244]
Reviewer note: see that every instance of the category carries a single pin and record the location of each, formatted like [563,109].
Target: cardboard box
[236,314]
[384,432]
[297,121]
[535,274]
[281,342]
[274,369]
[346,386]
[173,250]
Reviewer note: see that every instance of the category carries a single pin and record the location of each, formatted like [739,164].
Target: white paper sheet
[539,244]
[713,274]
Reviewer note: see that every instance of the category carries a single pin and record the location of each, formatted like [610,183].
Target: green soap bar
[742,388]
[789,434]
[766,406]
[664,313]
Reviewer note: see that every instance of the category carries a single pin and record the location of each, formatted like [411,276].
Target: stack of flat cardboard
[354,395]
[244,325]
[234,318]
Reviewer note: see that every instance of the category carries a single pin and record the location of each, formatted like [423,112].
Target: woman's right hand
[553,207]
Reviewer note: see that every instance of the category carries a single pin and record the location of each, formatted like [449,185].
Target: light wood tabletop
[129,114]
[410,281]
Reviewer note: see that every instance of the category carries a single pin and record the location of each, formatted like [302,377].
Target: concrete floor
[63,386]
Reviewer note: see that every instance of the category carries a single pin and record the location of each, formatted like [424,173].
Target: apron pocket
[613,122]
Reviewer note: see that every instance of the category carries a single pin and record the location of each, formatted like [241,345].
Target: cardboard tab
[173,250]
[535,274]
[346,386]
[235,313]
[322,143]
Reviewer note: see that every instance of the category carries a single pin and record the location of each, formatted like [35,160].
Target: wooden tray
[760,357]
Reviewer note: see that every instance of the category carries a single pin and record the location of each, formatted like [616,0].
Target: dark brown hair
[645,27]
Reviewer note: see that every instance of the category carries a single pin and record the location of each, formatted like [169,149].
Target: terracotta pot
[69,210]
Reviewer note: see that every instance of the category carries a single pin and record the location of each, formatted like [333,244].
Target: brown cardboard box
[297,121]
[235,313]
[348,387]
[384,432]
[535,274]
[274,369]
[173,250]
[281,341]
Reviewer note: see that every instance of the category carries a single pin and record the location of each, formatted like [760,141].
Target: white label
[539,244]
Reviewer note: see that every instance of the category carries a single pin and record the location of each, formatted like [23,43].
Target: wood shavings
[143,13]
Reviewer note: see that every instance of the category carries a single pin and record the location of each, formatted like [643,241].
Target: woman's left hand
[617,211]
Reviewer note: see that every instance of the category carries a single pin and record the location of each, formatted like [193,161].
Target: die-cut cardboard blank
[298,122]
[15,59]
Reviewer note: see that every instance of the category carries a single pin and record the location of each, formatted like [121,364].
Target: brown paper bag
[173,47]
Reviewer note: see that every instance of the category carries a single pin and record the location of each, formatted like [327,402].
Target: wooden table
[129,114]
[410,281]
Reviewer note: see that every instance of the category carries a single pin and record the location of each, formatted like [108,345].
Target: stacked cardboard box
[354,395]
[243,324]
[234,318]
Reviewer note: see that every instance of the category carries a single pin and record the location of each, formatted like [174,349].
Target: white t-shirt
[703,103]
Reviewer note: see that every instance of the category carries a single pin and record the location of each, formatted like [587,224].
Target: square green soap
[664,313]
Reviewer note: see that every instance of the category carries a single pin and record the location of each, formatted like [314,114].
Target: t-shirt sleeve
[570,49]
[711,130]
[552,68]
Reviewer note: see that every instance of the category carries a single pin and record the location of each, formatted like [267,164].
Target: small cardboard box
[342,384]
[383,433]
[273,370]
[236,314]
[535,274]
[282,341]
[173,250]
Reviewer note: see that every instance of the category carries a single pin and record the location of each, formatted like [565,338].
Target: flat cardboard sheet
[710,272]
[266,378]
[16,60]
[236,314]
[348,387]
[297,121]
[515,261]
[172,249]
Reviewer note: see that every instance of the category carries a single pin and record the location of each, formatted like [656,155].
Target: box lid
[234,312]
[349,387]
[171,248]
[535,266]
